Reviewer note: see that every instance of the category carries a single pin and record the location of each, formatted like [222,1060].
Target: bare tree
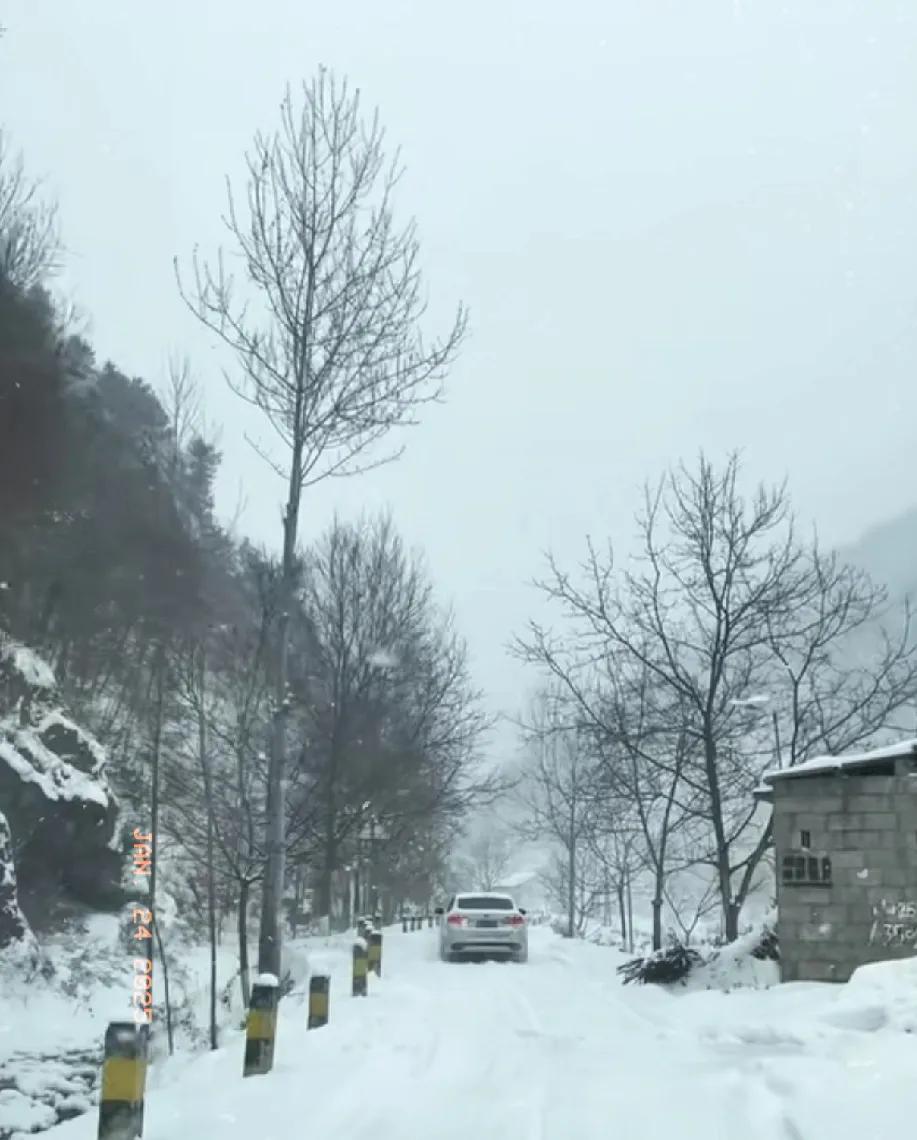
[30,246]
[327,338]
[389,722]
[647,755]
[722,603]
[558,795]
[615,845]
[690,895]
[183,406]
[487,860]
[641,745]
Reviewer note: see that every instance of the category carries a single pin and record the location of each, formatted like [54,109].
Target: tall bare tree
[326,335]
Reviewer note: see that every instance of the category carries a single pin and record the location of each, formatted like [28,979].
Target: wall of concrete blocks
[867,826]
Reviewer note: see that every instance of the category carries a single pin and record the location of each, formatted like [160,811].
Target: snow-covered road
[553,1050]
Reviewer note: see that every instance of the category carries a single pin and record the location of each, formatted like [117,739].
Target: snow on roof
[821,765]
[484,895]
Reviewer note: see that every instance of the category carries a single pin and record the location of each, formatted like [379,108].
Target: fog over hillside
[888,551]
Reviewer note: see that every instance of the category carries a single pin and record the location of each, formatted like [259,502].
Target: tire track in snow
[535,1130]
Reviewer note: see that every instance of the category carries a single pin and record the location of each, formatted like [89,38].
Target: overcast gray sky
[677,225]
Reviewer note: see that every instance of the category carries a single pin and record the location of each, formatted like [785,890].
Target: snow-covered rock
[55,794]
[14,930]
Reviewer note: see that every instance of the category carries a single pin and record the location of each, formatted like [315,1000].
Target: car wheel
[521,956]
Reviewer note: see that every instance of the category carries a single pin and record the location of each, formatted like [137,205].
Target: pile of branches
[663,967]
[767,949]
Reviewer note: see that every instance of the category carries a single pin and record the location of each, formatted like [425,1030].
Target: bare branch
[30,245]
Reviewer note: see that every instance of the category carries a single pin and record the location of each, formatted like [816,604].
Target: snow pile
[34,671]
[25,751]
[736,965]
[880,996]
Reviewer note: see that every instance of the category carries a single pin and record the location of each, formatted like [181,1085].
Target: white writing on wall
[894,924]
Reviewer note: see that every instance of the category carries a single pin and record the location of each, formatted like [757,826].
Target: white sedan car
[482,923]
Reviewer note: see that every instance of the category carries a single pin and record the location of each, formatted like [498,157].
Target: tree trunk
[659,887]
[325,890]
[242,920]
[657,923]
[159,716]
[165,985]
[212,922]
[571,891]
[204,760]
[270,934]
[630,917]
[619,890]
[723,870]
[754,861]
[731,920]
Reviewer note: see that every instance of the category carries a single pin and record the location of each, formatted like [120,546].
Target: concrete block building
[845,840]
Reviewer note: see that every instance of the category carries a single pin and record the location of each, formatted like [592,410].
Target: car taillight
[457,920]
[516,920]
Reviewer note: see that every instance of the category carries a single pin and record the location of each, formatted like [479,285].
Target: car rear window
[483,902]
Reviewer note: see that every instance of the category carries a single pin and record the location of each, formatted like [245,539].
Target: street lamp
[755,702]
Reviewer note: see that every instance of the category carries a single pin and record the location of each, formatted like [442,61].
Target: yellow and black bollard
[123,1081]
[375,952]
[319,999]
[261,1028]
[360,968]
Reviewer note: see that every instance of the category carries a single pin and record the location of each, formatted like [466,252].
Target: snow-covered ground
[554,1049]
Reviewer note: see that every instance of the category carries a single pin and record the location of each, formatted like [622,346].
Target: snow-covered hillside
[552,1050]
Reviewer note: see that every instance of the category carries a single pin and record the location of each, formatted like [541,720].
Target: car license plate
[489,923]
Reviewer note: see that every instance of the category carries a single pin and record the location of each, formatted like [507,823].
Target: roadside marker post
[123,1081]
[261,1027]
[319,1000]
[375,953]
[360,968]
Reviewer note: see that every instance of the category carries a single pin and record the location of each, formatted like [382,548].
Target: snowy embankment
[52,1025]
[554,1049]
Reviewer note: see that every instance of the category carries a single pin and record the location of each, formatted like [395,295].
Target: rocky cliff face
[13,926]
[63,847]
